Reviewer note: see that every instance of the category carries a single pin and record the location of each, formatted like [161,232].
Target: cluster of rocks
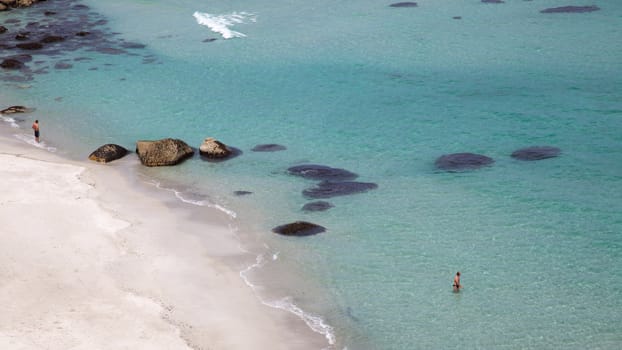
[35,42]
[164,152]
[333,182]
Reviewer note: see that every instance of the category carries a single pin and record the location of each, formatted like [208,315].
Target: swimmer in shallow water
[457,286]
[35,127]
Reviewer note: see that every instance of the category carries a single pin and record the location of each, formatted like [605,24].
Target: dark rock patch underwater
[462,161]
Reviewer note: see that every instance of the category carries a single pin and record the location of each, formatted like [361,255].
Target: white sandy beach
[87,261]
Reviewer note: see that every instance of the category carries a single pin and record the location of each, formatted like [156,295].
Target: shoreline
[175,271]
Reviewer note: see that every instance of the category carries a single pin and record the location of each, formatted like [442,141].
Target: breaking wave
[222,23]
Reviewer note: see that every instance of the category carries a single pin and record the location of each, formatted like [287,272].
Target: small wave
[201,203]
[221,23]
[259,262]
[11,121]
[316,323]
[31,141]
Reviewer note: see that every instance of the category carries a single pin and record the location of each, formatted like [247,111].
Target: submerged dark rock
[321,172]
[11,63]
[317,206]
[131,45]
[462,161]
[108,153]
[3,29]
[22,36]
[52,39]
[30,46]
[493,1]
[329,189]
[536,153]
[242,193]
[571,9]
[299,229]
[404,4]
[63,65]
[270,147]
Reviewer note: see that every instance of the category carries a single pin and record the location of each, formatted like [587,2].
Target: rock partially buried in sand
[299,229]
[15,109]
[321,172]
[108,153]
[571,9]
[462,161]
[536,153]
[163,152]
[213,148]
[329,189]
[317,206]
[404,4]
[270,147]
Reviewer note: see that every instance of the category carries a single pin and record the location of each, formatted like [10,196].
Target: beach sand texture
[89,262]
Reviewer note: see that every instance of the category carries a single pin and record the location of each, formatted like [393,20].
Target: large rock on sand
[299,228]
[212,148]
[108,153]
[163,152]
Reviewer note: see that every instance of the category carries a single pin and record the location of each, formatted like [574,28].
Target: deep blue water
[382,92]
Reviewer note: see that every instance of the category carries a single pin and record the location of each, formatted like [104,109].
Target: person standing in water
[457,286]
[35,127]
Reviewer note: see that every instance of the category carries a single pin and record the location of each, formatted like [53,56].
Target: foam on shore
[314,322]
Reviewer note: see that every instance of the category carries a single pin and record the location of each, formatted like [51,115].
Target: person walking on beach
[457,284]
[35,127]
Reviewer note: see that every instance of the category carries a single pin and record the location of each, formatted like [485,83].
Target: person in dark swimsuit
[457,286]
[35,127]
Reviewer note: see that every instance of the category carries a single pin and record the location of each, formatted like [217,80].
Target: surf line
[222,23]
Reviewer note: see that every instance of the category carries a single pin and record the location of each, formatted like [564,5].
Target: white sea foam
[316,323]
[222,23]
[11,121]
[31,141]
[201,203]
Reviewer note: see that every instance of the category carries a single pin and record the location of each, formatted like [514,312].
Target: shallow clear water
[383,92]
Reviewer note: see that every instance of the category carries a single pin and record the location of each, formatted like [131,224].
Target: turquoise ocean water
[382,92]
